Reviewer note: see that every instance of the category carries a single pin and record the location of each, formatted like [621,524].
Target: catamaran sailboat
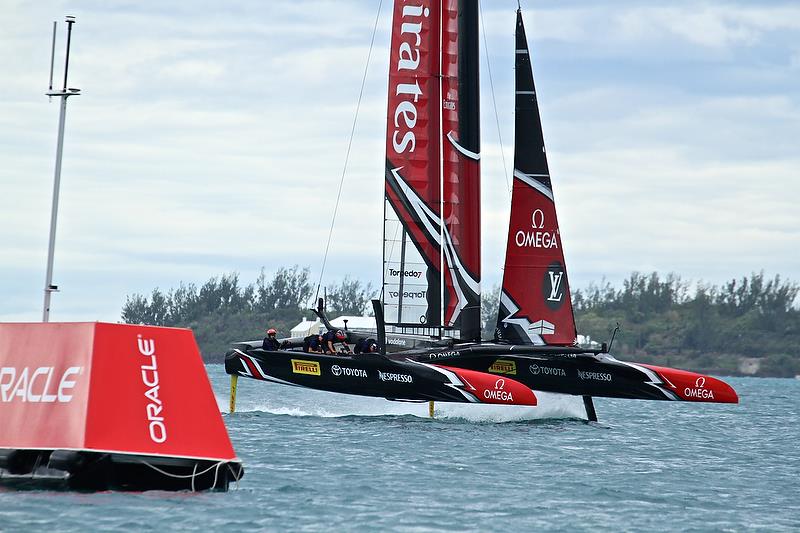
[429,315]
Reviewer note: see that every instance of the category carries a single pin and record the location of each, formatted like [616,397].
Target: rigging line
[494,103]
[349,145]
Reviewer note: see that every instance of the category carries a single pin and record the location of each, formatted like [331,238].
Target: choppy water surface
[317,461]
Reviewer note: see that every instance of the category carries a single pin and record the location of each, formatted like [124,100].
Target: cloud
[209,141]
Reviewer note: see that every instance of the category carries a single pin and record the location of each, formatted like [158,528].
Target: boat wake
[311,403]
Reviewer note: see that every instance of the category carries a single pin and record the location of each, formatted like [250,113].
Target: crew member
[270,342]
[366,345]
[332,337]
[313,344]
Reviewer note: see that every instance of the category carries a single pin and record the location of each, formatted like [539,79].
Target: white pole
[49,288]
[64,93]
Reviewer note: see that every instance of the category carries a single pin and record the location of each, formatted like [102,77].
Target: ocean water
[317,461]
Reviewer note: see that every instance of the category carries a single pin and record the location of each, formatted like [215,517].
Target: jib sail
[431,270]
[535,306]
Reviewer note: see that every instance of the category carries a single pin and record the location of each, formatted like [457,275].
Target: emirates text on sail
[409,56]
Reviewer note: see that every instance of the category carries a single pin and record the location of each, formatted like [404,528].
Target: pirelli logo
[311,368]
[503,366]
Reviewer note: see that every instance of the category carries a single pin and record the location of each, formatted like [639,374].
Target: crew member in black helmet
[332,337]
[270,342]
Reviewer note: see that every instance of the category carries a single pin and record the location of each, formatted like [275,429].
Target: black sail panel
[529,152]
[535,306]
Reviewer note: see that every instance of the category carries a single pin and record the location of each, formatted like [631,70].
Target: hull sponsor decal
[539,370]
[440,355]
[503,366]
[499,393]
[594,376]
[311,368]
[395,377]
[699,390]
[347,371]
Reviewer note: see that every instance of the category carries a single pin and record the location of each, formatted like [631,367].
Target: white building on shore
[360,323]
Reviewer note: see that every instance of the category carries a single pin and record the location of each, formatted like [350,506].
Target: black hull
[477,373]
[100,471]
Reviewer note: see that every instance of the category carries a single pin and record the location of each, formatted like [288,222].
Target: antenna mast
[64,93]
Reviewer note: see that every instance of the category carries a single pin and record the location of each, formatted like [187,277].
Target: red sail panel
[151,395]
[535,306]
[535,300]
[108,387]
[461,170]
[44,384]
[412,227]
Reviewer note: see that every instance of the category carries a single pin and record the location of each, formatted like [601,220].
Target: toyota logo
[337,370]
[534,369]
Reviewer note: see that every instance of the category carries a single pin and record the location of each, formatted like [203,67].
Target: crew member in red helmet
[332,337]
[270,341]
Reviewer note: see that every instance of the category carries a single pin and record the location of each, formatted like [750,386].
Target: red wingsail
[461,167]
[535,306]
[412,226]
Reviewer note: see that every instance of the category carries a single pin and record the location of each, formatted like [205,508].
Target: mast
[64,93]
[535,306]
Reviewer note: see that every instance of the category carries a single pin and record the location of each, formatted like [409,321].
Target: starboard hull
[479,373]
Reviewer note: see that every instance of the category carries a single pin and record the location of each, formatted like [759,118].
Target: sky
[210,137]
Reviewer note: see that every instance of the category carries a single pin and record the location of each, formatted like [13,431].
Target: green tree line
[667,320]
[664,319]
[222,310]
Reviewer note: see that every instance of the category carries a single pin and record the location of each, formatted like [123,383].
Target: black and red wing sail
[535,306]
[412,213]
[461,167]
[431,275]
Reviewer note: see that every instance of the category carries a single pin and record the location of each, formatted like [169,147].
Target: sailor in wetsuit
[312,344]
[332,337]
[270,342]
